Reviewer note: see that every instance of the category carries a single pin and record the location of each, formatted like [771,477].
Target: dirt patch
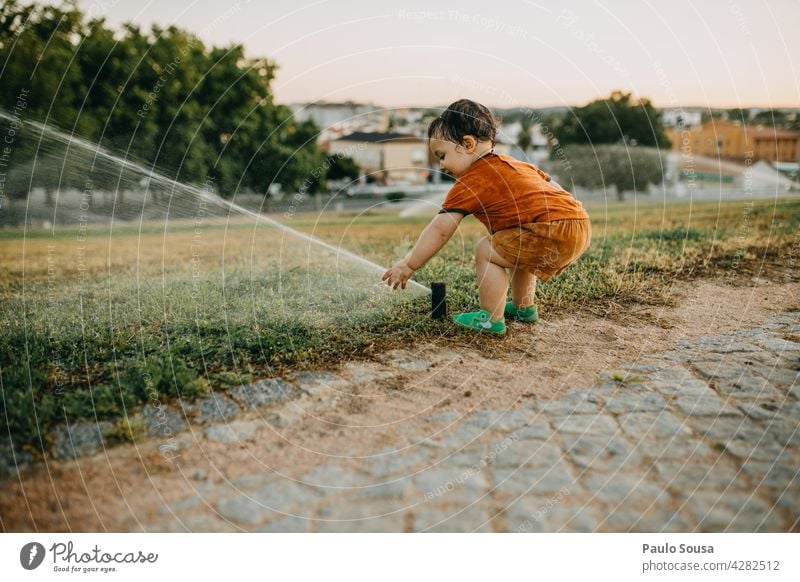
[382,407]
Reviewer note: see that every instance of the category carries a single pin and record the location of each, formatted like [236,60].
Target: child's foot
[530,313]
[480,321]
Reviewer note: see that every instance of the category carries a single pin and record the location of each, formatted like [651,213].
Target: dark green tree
[617,119]
[160,96]
[623,167]
[524,138]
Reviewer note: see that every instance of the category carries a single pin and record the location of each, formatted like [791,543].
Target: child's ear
[469,143]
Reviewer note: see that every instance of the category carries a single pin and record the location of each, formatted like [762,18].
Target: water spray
[200,193]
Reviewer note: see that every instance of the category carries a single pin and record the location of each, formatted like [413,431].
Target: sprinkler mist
[80,153]
[133,253]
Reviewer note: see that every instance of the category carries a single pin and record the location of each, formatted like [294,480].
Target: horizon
[718,55]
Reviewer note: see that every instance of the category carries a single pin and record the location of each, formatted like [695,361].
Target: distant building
[386,157]
[734,141]
[391,157]
[327,115]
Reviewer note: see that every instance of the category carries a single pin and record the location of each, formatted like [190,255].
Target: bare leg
[490,268]
[523,288]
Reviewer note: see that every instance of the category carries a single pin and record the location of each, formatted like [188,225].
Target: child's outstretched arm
[432,239]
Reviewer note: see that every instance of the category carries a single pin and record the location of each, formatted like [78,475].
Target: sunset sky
[716,53]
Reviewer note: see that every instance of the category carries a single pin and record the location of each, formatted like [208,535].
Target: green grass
[98,348]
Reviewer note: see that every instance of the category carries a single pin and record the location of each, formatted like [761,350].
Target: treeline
[197,113]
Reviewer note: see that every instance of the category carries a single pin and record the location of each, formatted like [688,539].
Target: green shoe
[530,313]
[479,321]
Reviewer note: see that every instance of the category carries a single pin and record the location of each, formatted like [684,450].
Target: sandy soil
[380,409]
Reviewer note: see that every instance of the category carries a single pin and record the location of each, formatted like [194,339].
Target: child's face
[454,159]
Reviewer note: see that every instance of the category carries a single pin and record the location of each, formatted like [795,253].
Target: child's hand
[398,275]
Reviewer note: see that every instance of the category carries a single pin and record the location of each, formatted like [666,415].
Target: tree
[194,112]
[778,119]
[343,168]
[624,167]
[524,139]
[615,120]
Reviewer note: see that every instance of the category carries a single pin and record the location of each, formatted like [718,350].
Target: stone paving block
[333,476]
[776,343]
[527,452]
[534,481]
[787,502]
[786,432]
[706,405]
[642,402]
[601,452]
[722,428]
[794,390]
[279,496]
[765,449]
[289,414]
[628,489]
[475,454]
[747,385]
[773,475]
[161,420]
[757,411]
[648,520]
[475,518]
[780,378]
[253,481]
[568,519]
[651,425]
[318,383]
[678,447]
[599,424]
[522,516]
[244,511]
[579,401]
[262,393]
[537,430]
[191,523]
[718,368]
[461,435]
[452,485]
[649,368]
[78,439]
[505,420]
[722,345]
[730,512]
[215,408]
[687,475]
[234,432]
[288,524]
[681,383]
[548,513]
[360,516]
[398,462]
[12,459]
[389,490]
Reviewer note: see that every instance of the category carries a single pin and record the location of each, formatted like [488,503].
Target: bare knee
[483,250]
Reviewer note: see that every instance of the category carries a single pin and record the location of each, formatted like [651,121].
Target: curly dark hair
[461,118]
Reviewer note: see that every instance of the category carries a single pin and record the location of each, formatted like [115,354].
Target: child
[537,229]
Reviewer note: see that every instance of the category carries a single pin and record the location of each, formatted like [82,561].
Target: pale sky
[717,53]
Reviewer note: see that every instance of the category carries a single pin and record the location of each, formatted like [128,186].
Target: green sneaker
[479,321]
[530,313]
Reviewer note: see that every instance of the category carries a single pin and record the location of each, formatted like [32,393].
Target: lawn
[97,322]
